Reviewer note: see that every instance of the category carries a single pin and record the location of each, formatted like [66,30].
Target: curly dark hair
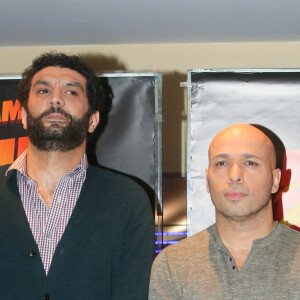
[95,92]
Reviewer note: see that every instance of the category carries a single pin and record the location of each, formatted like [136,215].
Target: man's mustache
[55,109]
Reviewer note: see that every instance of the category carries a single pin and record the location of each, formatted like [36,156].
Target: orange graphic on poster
[11,148]
[22,145]
[10,112]
[7,148]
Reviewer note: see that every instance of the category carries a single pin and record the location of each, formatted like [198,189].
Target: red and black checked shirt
[48,224]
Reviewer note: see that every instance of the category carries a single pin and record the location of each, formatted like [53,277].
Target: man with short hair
[69,230]
[245,254]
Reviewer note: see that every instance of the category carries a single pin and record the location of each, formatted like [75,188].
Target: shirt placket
[52,232]
[43,213]
[34,213]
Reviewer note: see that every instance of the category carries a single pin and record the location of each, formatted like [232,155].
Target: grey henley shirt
[200,267]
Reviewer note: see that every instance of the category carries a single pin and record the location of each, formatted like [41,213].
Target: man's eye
[221,163]
[250,163]
[42,91]
[72,93]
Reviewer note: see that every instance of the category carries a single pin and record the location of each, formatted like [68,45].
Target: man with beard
[245,254]
[69,230]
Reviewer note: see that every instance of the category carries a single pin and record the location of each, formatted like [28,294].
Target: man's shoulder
[107,176]
[3,169]
[3,174]
[288,233]
[104,174]
[115,186]
[285,239]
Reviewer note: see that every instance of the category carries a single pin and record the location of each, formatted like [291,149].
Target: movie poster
[13,138]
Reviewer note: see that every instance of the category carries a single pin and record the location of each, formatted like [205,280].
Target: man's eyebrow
[243,155]
[221,155]
[76,84]
[48,83]
[250,155]
[43,82]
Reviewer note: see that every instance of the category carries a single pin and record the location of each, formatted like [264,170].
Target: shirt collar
[20,164]
[269,237]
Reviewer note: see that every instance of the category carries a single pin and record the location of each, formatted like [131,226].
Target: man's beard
[57,136]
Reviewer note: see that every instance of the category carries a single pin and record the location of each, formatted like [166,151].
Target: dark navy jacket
[106,251]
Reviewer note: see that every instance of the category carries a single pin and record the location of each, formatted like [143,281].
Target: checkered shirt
[48,224]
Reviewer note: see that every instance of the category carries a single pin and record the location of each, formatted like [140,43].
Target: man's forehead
[230,154]
[241,138]
[58,73]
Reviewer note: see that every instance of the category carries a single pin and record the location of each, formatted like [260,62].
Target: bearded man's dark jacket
[106,250]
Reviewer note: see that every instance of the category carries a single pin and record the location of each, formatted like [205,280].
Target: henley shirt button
[230,259]
[32,252]
[233,267]
[48,236]
[46,297]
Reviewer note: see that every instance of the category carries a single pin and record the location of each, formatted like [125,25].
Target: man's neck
[238,235]
[46,168]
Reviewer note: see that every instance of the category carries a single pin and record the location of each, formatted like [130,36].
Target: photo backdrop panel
[127,143]
[220,98]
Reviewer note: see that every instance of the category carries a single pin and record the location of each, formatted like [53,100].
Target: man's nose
[56,98]
[235,174]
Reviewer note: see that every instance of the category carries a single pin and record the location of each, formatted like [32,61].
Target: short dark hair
[95,93]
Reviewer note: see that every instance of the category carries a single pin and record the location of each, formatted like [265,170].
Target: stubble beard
[58,136]
[243,211]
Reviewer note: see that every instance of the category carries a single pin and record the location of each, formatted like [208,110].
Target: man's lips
[57,117]
[235,195]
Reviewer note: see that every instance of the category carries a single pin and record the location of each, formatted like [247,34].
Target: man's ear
[24,117]
[207,186]
[94,121]
[276,180]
